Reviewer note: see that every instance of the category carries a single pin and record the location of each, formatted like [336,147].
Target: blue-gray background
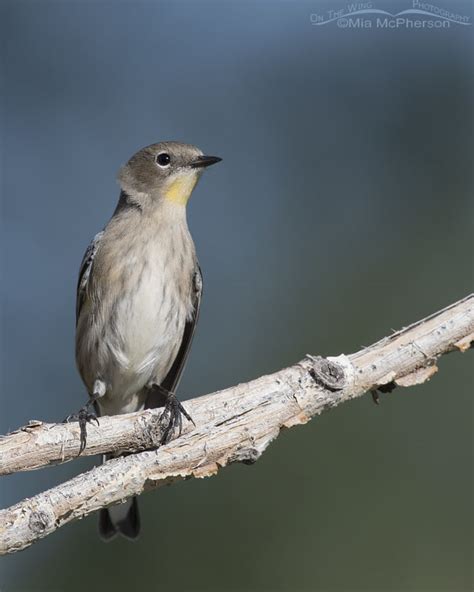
[342,209]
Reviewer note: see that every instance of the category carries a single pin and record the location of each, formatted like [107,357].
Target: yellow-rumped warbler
[138,298]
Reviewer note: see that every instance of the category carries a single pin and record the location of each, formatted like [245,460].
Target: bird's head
[167,170]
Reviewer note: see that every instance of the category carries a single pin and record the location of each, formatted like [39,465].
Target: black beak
[204,161]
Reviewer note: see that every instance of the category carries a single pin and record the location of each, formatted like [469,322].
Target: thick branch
[233,425]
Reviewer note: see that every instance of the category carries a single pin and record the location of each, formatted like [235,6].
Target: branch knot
[327,373]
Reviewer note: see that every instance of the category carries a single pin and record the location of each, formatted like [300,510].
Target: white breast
[148,322]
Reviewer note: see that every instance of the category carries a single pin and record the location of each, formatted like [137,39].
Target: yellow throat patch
[180,188]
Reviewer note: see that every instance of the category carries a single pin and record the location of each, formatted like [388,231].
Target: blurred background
[342,209]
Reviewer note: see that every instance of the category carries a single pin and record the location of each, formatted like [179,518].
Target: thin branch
[233,425]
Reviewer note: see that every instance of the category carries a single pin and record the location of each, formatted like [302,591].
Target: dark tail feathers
[123,519]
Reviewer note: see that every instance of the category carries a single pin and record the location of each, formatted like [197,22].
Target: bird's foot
[84,416]
[172,418]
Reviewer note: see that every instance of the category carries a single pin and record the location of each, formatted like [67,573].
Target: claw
[172,418]
[84,416]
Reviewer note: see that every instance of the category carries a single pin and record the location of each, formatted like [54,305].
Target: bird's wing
[85,272]
[171,380]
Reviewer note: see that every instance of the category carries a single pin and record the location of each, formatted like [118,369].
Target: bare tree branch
[233,425]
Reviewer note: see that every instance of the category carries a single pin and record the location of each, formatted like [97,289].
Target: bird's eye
[163,159]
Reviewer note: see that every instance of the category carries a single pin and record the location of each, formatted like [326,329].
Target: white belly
[140,322]
[146,330]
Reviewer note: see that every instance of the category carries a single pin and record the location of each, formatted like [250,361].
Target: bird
[138,298]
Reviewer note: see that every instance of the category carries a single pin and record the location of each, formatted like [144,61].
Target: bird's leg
[172,416]
[87,414]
